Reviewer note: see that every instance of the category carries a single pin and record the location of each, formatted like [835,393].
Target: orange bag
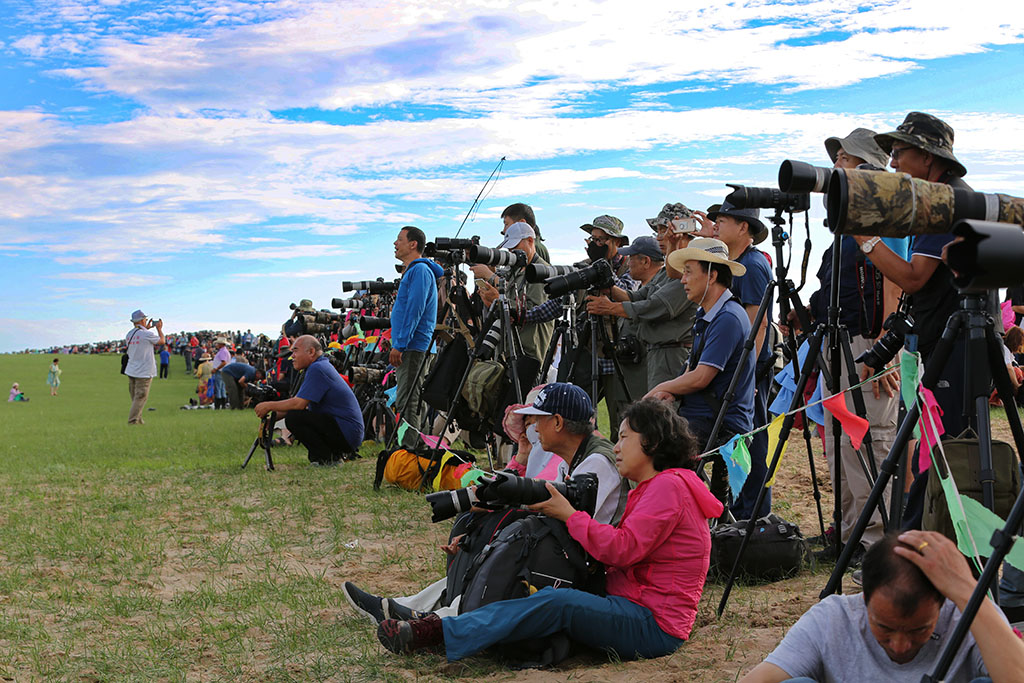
[405,469]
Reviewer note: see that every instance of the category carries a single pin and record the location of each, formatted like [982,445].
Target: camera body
[504,489]
[897,326]
[260,392]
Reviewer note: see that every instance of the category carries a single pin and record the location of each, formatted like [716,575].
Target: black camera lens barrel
[369,322]
[536,272]
[743,197]
[598,275]
[801,177]
[455,243]
[988,256]
[378,286]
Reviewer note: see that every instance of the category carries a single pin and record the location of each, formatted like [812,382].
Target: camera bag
[529,554]
[407,469]
[777,550]
[964,458]
[478,529]
[483,388]
[124,356]
[440,384]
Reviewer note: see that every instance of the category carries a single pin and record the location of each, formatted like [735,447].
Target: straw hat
[705,249]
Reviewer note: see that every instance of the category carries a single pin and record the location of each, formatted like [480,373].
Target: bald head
[305,351]
[308,342]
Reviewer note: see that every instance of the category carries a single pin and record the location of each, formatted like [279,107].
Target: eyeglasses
[895,152]
[600,241]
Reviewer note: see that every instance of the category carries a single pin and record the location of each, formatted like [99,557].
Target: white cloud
[298,274]
[109,279]
[275,253]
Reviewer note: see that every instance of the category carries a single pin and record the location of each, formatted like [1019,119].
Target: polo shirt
[750,287]
[718,337]
[240,370]
[329,394]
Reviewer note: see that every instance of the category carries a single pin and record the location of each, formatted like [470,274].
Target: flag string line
[806,406]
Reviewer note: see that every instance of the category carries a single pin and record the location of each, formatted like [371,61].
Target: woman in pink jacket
[656,560]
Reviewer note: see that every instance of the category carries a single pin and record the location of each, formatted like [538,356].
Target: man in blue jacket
[413,318]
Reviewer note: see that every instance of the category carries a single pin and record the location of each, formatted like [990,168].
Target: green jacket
[661,312]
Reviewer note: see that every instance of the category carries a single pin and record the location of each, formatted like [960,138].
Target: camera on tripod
[260,392]
[536,272]
[743,197]
[450,247]
[369,322]
[497,258]
[348,303]
[378,286]
[504,489]
[598,275]
[318,322]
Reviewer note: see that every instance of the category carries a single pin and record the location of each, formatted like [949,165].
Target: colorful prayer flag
[910,362]
[931,428]
[854,426]
[774,430]
[737,461]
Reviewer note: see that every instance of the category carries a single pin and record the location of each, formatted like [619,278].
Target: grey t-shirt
[832,643]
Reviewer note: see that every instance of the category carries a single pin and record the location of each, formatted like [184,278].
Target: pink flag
[853,426]
[931,429]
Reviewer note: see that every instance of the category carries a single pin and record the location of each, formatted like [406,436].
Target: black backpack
[478,530]
[777,550]
[532,553]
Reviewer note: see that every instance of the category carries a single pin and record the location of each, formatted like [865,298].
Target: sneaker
[402,637]
[372,606]
[393,610]
[858,578]
[825,540]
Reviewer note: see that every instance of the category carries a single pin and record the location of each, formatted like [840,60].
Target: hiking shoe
[825,540]
[372,606]
[403,637]
[858,578]
[393,610]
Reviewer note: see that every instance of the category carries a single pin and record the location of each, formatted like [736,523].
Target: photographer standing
[535,336]
[324,415]
[413,318]
[220,361]
[141,368]
[662,314]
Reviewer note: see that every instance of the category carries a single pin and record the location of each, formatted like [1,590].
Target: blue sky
[211,161]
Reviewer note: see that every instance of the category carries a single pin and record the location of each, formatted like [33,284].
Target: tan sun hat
[705,249]
[205,356]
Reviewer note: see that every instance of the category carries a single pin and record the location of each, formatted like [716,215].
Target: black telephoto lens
[598,275]
[367,322]
[801,177]
[767,198]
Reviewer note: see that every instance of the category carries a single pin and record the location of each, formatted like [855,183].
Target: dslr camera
[261,392]
[897,326]
[378,286]
[504,489]
[598,275]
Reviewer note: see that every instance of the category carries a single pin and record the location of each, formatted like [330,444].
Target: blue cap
[752,216]
[560,398]
[644,246]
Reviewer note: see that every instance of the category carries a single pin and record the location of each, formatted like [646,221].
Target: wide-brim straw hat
[705,249]
[205,356]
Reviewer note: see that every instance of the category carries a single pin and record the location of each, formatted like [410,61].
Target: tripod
[839,342]
[984,365]
[264,435]
[376,412]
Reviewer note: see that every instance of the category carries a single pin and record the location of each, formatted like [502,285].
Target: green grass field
[147,553]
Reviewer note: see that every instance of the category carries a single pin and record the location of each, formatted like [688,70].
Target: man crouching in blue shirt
[325,414]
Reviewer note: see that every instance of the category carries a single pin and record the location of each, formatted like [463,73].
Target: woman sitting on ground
[16,394]
[656,560]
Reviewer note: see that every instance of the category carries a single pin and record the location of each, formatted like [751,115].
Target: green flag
[983,523]
[402,429]
[909,364]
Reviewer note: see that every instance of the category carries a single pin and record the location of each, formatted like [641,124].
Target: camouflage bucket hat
[306,305]
[859,143]
[926,132]
[609,225]
[678,215]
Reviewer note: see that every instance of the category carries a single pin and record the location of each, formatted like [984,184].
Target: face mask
[532,435]
[597,251]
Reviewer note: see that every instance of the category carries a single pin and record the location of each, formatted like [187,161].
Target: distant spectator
[53,377]
[220,360]
[141,364]
[165,362]
[16,395]
[204,371]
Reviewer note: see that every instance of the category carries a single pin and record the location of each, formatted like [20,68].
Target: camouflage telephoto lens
[366,374]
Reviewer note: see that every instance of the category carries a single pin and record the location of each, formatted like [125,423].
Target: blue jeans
[608,623]
[219,388]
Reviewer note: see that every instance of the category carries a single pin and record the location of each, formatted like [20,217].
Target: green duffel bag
[484,388]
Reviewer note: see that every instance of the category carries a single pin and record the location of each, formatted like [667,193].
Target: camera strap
[870,324]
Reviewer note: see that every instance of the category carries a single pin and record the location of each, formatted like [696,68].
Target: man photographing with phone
[141,367]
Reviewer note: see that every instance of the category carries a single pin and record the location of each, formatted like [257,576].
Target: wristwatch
[868,246]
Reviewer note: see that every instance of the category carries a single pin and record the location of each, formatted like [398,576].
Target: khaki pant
[138,390]
[882,414]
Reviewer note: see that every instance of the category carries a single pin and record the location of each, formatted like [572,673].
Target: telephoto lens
[456,243]
[799,176]
[497,257]
[767,198]
[311,326]
[536,272]
[347,303]
[378,286]
[368,322]
[598,275]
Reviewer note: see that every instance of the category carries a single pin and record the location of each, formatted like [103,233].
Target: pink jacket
[658,555]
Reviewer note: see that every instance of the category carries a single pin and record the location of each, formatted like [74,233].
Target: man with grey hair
[324,415]
[141,367]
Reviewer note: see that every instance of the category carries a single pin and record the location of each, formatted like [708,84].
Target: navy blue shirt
[718,337]
[240,370]
[860,309]
[749,288]
[932,305]
[327,393]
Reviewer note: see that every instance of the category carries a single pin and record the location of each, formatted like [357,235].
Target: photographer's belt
[671,345]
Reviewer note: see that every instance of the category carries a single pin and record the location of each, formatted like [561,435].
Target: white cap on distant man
[516,233]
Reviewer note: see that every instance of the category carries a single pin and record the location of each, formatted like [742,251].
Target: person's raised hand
[556,507]
[941,561]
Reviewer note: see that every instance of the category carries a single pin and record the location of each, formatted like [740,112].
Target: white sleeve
[609,482]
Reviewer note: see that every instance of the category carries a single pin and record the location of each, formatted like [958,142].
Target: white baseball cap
[516,233]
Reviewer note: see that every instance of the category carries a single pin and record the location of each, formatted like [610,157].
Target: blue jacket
[414,314]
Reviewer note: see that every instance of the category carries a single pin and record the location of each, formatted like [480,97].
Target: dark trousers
[743,506]
[319,433]
[234,390]
[719,481]
[188,360]
[163,370]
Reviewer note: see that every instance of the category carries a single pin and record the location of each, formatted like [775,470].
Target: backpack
[441,382]
[484,388]
[408,469]
[964,460]
[777,550]
[478,530]
[529,554]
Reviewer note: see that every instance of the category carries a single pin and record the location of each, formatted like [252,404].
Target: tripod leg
[255,445]
[787,426]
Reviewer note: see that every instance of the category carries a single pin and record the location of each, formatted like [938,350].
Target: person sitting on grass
[16,395]
[916,584]
[562,417]
[656,560]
